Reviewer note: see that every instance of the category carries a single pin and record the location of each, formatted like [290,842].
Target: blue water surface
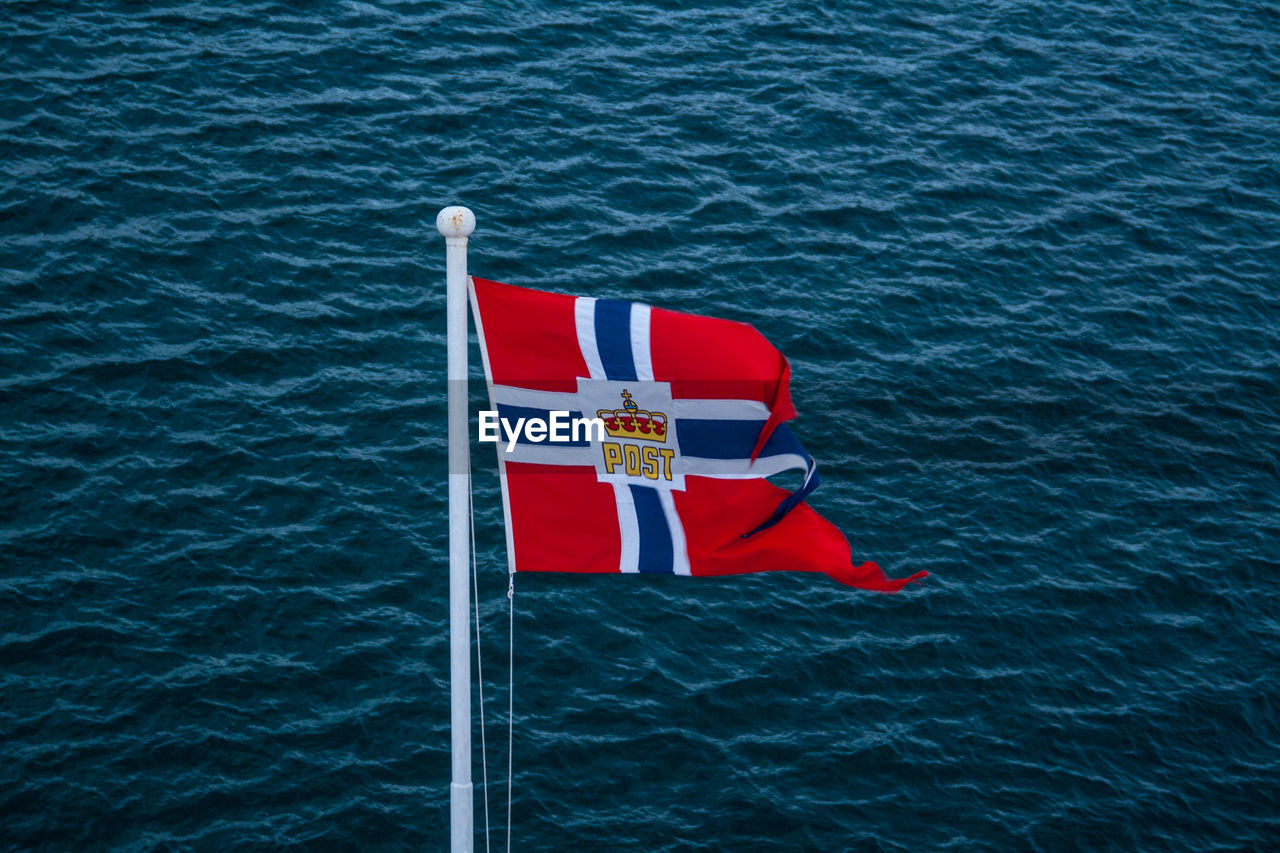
[1024,258]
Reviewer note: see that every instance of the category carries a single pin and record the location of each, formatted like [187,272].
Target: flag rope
[475,586]
[511,686]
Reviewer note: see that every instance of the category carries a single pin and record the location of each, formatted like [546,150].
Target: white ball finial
[456,222]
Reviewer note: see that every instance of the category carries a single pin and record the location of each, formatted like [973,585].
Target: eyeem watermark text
[560,427]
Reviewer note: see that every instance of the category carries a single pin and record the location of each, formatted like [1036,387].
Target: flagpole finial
[456,222]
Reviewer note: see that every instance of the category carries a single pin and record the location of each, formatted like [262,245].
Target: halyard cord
[475,589]
[511,683]
[511,655]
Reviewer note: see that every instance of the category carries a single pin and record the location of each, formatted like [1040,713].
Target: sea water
[1024,258]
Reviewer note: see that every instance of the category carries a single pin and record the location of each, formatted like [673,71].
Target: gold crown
[631,421]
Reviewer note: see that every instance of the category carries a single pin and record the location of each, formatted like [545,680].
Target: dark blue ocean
[1024,258]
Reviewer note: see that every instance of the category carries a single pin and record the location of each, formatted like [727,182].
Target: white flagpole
[456,224]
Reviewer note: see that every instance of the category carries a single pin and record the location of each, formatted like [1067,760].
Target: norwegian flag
[694,410]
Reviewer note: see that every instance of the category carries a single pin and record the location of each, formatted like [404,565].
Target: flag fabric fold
[694,411]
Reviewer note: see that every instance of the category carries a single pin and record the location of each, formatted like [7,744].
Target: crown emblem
[631,421]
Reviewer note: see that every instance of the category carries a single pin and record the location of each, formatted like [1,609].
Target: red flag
[692,418]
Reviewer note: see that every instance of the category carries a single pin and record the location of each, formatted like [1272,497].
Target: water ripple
[1022,260]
